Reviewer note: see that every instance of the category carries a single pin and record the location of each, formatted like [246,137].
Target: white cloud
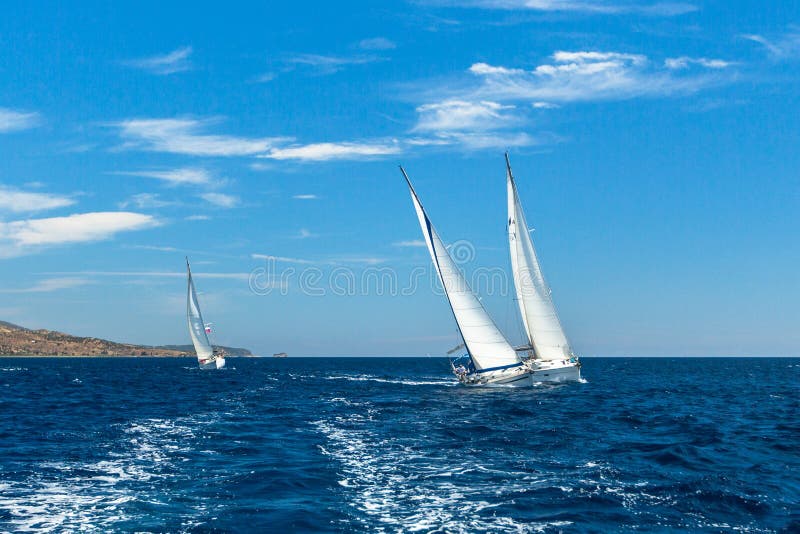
[197,218]
[545,105]
[305,197]
[410,243]
[684,62]
[49,285]
[283,259]
[220,199]
[183,136]
[333,151]
[457,115]
[366,260]
[182,176]
[17,201]
[144,201]
[666,9]
[786,46]
[12,121]
[169,63]
[154,248]
[377,43]
[325,64]
[584,76]
[160,274]
[305,234]
[24,236]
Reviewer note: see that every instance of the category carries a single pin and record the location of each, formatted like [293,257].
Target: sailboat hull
[216,363]
[530,374]
[515,377]
[555,373]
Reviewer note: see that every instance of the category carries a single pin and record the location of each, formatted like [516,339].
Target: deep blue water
[393,444]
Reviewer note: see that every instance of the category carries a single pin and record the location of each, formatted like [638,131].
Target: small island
[20,341]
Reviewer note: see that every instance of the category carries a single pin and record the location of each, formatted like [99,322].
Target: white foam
[92,496]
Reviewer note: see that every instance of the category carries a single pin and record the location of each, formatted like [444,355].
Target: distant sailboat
[490,359]
[207,357]
[552,358]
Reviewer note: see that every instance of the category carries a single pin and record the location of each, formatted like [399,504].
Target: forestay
[485,343]
[197,328]
[533,295]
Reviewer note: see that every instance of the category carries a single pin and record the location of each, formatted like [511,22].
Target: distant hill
[16,340]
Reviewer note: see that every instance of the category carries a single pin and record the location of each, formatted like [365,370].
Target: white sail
[485,343]
[533,295]
[197,328]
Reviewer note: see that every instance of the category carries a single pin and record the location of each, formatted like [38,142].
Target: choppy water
[384,445]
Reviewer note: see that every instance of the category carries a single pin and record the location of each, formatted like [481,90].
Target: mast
[486,345]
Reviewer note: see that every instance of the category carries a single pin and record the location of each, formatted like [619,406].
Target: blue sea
[393,444]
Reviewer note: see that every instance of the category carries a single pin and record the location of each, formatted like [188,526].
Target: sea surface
[393,444]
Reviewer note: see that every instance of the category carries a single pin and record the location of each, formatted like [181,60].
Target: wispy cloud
[305,197]
[158,274]
[665,9]
[49,285]
[782,47]
[155,248]
[182,176]
[329,64]
[169,63]
[283,259]
[410,243]
[197,218]
[493,105]
[221,199]
[377,43]
[586,76]
[145,201]
[26,236]
[184,136]
[305,234]
[17,201]
[333,151]
[12,121]
[684,62]
[459,115]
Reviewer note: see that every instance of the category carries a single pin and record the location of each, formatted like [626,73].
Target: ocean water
[388,445]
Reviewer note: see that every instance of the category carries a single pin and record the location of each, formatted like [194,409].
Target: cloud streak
[185,136]
[165,64]
[16,201]
[49,285]
[13,121]
[662,9]
[333,151]
[182,176]
[29,235]
[783,47]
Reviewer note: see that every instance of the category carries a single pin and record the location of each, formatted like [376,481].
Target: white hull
[216,363]
[529,374]
[557,372]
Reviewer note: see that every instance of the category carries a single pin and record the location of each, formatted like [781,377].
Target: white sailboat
[490,359]
[207,357]
[550,357]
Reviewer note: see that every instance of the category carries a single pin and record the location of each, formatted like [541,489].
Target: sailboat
[489,358]
[207,357]
[550,357]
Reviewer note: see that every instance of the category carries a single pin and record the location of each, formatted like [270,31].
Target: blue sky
[655,146]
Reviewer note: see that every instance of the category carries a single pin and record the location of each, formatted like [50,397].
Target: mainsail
[485,344]
[197,328]
[535,303]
